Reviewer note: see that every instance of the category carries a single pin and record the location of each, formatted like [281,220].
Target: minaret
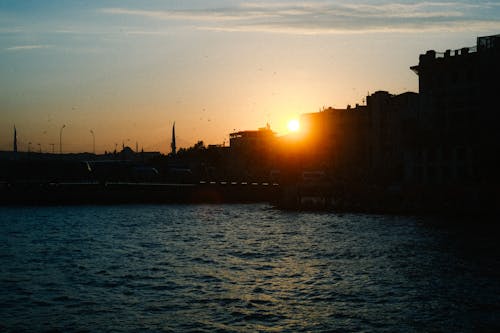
[172,144]
[15,139]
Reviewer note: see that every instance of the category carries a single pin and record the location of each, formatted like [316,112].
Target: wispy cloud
[10,31]
[333,16]
[196,15]
[26,47]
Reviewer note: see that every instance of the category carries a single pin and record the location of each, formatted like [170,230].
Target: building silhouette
[458,114]
[365,143]
[437,149]
[252,152]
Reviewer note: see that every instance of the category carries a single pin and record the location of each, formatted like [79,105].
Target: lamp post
[93,141]
[39,148]
[60,139]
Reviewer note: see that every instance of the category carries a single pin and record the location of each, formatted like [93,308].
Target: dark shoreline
[281,197]
[128,193]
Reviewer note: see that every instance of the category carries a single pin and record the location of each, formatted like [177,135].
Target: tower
[172,144]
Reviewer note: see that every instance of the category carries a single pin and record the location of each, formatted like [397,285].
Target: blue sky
[129,69]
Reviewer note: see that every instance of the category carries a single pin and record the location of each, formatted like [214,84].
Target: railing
[457,52]
[256,183]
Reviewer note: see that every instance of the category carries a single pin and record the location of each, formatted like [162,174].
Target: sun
[293,125]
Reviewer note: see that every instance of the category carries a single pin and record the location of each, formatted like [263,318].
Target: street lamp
[93,141]
[39,148]
[60,139]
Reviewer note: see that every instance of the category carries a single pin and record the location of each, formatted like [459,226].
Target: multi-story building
[458,114]
[440,147]
[333,139]
[252,152]
[362,143]
[390,134]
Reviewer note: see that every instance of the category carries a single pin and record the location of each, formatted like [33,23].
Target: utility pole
[93,141]
[60,139]
[15,139]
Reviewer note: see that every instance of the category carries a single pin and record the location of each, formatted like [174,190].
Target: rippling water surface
[242,268]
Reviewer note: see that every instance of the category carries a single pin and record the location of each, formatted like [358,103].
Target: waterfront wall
[121,193]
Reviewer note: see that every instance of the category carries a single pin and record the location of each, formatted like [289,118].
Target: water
[241,268]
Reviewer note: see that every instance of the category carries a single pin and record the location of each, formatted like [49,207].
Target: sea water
[243,268]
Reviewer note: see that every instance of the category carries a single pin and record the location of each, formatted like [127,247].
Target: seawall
[121,193]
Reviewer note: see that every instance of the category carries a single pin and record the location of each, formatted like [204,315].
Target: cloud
[332,17]
[26,47]
[192,15]
[10,31]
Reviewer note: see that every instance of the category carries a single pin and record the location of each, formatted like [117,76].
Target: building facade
[365,143]
[252,153]
[458,115]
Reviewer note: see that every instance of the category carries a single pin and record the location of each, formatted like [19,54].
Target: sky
[127,70]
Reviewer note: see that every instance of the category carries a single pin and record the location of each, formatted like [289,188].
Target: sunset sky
[128,69]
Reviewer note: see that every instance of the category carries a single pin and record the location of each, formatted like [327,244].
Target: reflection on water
[241,268]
